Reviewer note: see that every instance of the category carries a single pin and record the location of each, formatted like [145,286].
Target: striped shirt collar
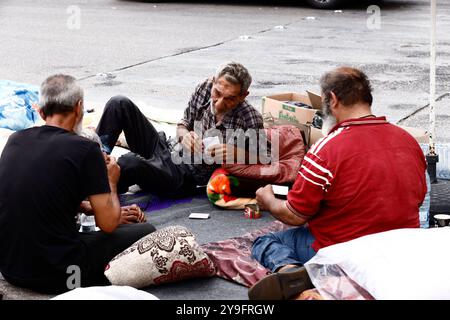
[360,121]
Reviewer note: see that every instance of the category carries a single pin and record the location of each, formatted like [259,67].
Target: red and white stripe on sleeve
[313,180]
[313,172]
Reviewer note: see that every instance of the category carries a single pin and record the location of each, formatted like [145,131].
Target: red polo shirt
[366,176]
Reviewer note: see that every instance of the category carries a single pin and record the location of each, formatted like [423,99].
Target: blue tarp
[16,105]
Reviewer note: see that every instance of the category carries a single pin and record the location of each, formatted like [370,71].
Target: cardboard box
[280,106]
[314,136]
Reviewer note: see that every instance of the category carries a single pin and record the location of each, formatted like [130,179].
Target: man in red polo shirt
[365,176]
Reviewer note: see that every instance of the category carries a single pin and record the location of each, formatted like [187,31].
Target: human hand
[113,170]
[132,214]
[264,197]
[223,153]
[86,207]
[191,141]
[107,157]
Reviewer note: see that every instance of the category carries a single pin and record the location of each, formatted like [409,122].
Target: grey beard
[328,123]
[213,109]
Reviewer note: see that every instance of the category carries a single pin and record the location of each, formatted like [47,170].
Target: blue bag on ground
[16,100]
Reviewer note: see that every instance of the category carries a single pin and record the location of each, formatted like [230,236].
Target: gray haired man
[218,104]
[46,172]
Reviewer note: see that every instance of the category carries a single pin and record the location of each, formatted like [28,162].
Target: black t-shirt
[45,173]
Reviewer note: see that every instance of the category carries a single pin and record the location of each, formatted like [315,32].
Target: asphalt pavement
[156,53]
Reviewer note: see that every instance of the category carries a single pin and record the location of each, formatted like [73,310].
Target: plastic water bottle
[87,223]
[424,210]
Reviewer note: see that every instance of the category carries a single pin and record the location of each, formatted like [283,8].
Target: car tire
[324,4]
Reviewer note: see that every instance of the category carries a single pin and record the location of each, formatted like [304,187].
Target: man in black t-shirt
[45,174]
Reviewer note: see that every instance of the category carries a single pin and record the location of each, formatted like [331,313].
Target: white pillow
[398,264]
[106,293]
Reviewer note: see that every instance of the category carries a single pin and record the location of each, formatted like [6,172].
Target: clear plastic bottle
[424,210]
[87,223]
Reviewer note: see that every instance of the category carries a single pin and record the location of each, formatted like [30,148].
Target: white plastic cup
[87,223]
[442,220]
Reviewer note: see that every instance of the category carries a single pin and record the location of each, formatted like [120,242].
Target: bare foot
[132,214]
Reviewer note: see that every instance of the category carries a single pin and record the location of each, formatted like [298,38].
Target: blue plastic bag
[16,105]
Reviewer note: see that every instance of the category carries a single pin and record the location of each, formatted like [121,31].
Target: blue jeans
[275,250]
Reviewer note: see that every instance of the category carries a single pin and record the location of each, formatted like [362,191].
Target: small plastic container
[87,223]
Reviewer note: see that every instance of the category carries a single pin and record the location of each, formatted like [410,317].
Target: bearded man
[365,176]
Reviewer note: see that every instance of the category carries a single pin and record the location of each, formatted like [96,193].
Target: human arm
[267,201]
[128,214]
[189,139]
[228,154]
[194,111]
[181,132]
[86,208]
[245,140]
[305,199]
[106,206]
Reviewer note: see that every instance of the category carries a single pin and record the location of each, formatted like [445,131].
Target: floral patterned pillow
[167,255]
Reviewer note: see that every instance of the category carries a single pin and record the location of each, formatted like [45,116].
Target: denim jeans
[275,250]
